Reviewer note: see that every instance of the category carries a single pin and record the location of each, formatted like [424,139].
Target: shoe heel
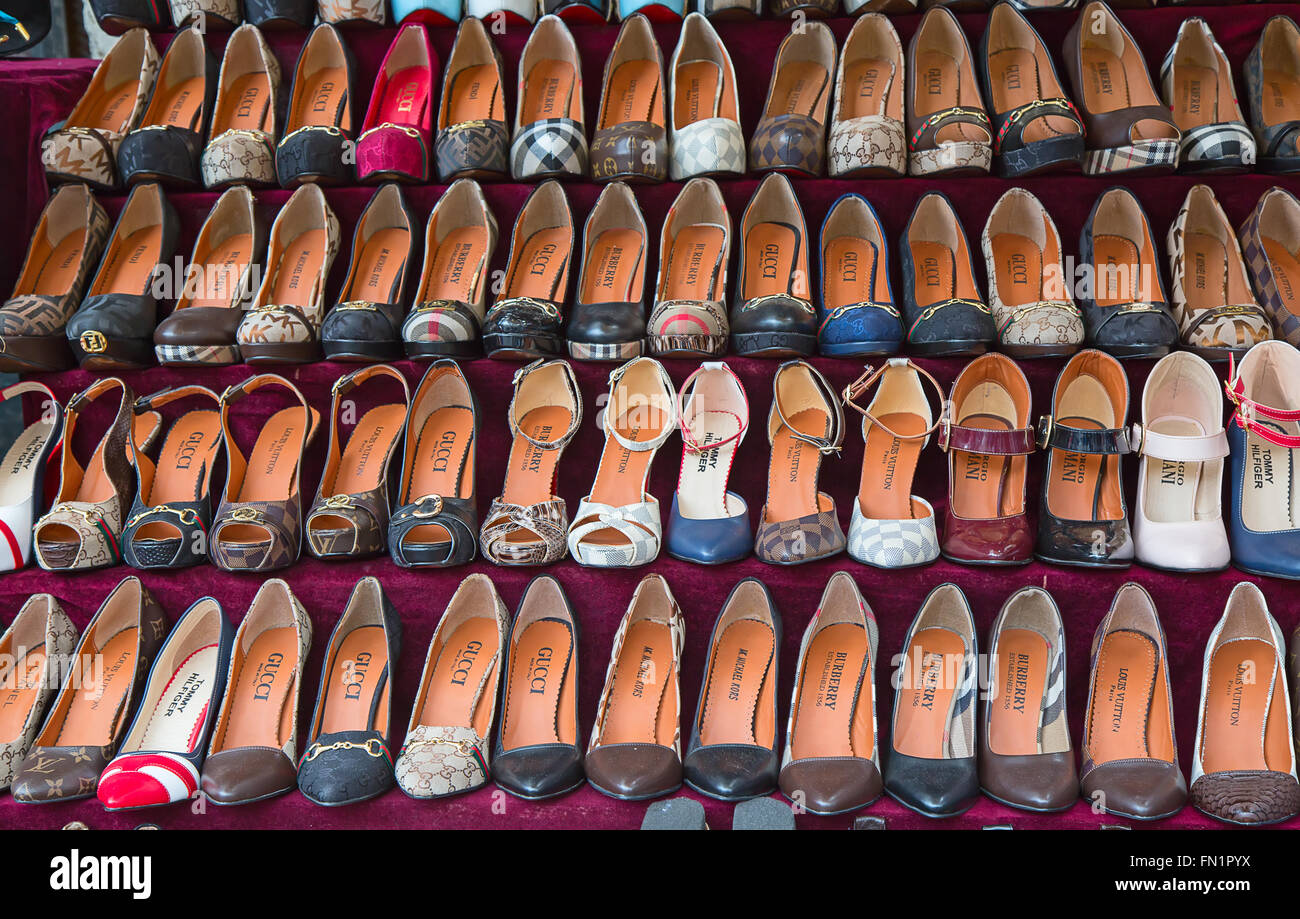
[24,355]
[94,351]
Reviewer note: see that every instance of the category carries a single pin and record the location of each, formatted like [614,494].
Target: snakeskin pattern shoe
[791,133]
[608,321]
[473,137]
[1270,240]
[631,139]
[39,643]
[867,138]
[241,143]
[396,141]
[550,138]
[689,318]
[704,134]
[321,124]
[1197,82]
[948,129]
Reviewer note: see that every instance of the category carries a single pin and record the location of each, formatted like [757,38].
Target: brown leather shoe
[632,122]
[254,744]
[791,134]
[1130,758]
[91,712]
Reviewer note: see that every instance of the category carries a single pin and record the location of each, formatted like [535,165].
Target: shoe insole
[1280,98]
[548,91]
[702,486]
[888,466]
[245,105]
[260,698]
[55,266]
[739,686]
[792,475]
[1105,81]
[1205,263]
[99,703]
[1123,695]
[539,700]
[129,264]
[1023,662]
[1117,275]
[1018,265]
[182,107]
[475,95]
[460,692]
[530,472]
[1268,495]
[183,469]
[800,89]
[632,92]
[935,267]
[1196,97]
[176,722]
[541,265]
[271,471]
[298,268]
[699,92]
[223,268]
[866,85]
[1286,274]
[694,258]
[441,454]
[111,109]
[635,711]
[457,265]
[20,685]
[324,101]
[927,693]
[621,475]
[1173,487]
[406,96]
[610,273]
[365,458]
[1016,82]
[980,480]
[21,463]
[380,267]
[938,88]
[1243,674]
[826,710]
[95,486]
[771,253]
[1084,486]
[358,683]
[850,269]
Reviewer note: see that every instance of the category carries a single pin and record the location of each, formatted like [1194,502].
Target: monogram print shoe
[241,144]
[36,649]
[867,137]
[631,139]
[858,315]
[347,12]
[217,15]
[943,310]
[704,135]
[791,134]
[948,129]
[321,123]
[550,139]
[1270,243]
[689,318]
[473,137]
[1275,100]
[396,140]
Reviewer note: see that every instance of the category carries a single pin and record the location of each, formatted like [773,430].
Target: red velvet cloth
[1189,605]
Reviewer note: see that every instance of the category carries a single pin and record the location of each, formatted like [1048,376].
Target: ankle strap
[868,379]
[570,384]
[164,396]
[829,443]
[666,382]
[688,439]
[1248,411]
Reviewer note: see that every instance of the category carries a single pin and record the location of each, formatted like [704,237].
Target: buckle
[435,511]
[1046,425]
[93,342]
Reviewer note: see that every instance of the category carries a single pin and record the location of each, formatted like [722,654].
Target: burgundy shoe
[397,136]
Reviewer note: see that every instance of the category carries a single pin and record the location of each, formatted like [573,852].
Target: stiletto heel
[22,486]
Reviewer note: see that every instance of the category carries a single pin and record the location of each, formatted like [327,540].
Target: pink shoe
[398,131]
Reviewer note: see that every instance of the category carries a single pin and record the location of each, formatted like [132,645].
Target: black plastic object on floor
[675,814]
[762,814]
[23,23]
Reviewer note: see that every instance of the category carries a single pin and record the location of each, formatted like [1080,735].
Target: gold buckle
[93,342]
[338,501]
[437,507]
[245,513]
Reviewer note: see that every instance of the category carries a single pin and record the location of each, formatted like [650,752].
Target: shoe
[446,749]
[1268,237]
[428,12]
[349,517]
[1128,130]
[241,142]
[791,133]
[989,437]
[1037,127]
[709,525]
[798,523]
[809,9]
[397,134]
[1124,309]
[83,528]
[891,527]
[1130,759]
[369,12]
[37,648]
[635,752]
[943,310]
[1263,436]
[527,320]
[550,139]
[931,767]
[689,318]
[348,756]
[282,326]
[1212,298]
[88,718]
[1083,520]
[473,138]
[1244,770]
[1197,82]
[630,143]
[536,754]
[867,138]
[258,526]
[436,521]
[527,524]
[280,15]
[118,16]
[159,760]
[608,321]
[594,12]
[731,10]
[320,128]
[948,129]
[515,12]
[451,301]
[1025,756]
[773,314]
[704,135]
[732,751]
[832,760]
[858,314]
[26,462]
[1031,302]
[1272,74]
[64,252]
[201,329]
[166,144]
[113,328]
[215,15]
[617,523]
[1178,522]
[252,754]
[366,323]
[172,512]
[83,147]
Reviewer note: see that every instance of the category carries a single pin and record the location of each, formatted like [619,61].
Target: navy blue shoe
[858,315]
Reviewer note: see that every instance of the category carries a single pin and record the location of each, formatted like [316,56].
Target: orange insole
[456,265]
[610,273]
[692,263]
[634,711]
[1018,265]
[865,84]
[792,476]
[99,703]
[1205,263]
[771,253]
[800,89]
[697,96]
[112,108]
[621,475]
[1015,74]
[939,87]
[1023,667]
[364,459]
[825,709]
[406,96]
[55,266]
[19,687]
[358,683]
[222,268]
[245,105]
[298,268]
[1286,274]
[1281,96]
[176,722]
[888,466]
[1123,688]
[1237,707]
[128,265]
[934,280]
[467,659]
[475,95]
[1118,270]
[530,472]
[270,474]
[1105,81]
[925,698]
[183,468]
[738,683]
[182,107]
[539,699]
[1075,479]
[632,92]
[260,696]
[324,101]
[1196,97]
[540,267]
[441,453]
[548,91]
[979,479]
[848,272]
[380,267]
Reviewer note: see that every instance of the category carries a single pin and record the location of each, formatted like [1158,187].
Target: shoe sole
[967,347]
[363,352]
[298,352]
[189,355]
[1118,566]
[1033,351]
[620,351]
[521,347]
[453,349]
[774,344]
[114,353]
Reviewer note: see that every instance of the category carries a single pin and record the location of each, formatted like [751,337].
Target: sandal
[26,461]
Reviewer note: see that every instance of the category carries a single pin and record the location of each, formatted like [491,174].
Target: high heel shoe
[704,134]
[258,525]
[26,463]
[1269,238]
[241,142]
[349,518]
[550,137]
[948,129]
[321,124]
[791,133]
[608,318]
[631,137]
[617,525]
[397,136]
[36,650]
[473,137]
[858,315]
[690,312]
[943,309]
[867,137]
